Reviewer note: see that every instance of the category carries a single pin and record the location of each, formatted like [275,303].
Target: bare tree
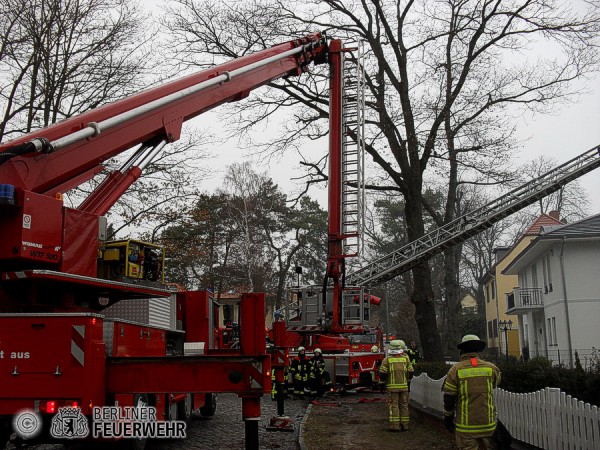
[445,79]
[60,58]
[572,202]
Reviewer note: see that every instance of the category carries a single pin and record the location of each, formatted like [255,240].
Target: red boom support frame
[48,256]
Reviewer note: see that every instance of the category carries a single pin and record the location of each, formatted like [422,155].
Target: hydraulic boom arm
[58,158]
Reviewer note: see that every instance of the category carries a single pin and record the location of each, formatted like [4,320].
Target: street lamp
[505,326]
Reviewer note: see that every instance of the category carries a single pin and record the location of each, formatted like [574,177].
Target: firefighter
[468,390]
[300,370]
[413,352]
[273,385]
[320,380]
[395,370]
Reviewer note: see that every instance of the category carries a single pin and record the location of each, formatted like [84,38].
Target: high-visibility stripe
[464,392]
[256,376]
[490,401]
[475,428]
[449,387]
[471,372]
[77,343]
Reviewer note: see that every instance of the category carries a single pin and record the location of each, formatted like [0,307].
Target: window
[549,333]
[493,289]
[544,274]
[490,330]
[534,280]
[495,328]
[549,268]
[487,293]
[554,339]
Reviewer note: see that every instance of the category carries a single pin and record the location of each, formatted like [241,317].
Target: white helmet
[374,349]
[318,350]
[301,349]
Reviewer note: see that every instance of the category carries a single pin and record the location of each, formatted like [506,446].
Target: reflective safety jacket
[318,367]
[397,367]
[415,356]
[301,368]
[472,381]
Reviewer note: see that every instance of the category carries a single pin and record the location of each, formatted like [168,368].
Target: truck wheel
[139,400]
[210,405]
[172,409]
[184,409]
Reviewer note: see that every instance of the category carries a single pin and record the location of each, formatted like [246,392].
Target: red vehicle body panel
[51,357]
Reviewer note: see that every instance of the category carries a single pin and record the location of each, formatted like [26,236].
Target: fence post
[553,426]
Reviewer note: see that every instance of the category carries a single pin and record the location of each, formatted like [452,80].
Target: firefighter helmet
[301,349]
[374,349]
[397,344]
[471,343]
[318,350]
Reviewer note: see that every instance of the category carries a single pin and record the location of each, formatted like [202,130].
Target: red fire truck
[335,315]
[85,322]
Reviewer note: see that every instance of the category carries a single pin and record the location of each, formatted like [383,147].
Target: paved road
[225,430]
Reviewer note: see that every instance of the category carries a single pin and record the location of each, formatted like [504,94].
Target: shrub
[536,374]
[539,373]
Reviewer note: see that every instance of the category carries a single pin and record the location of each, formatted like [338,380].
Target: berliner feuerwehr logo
[69,423]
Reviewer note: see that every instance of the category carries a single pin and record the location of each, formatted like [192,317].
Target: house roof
[542,222]
[588,228]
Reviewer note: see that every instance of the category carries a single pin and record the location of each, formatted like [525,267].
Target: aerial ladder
[473,222]
[59,276]
[334,316]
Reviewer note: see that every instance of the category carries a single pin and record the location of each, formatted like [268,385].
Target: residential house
[468,301]
[557,299]
[503,339]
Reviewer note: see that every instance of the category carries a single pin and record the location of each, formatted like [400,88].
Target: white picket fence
[549,418]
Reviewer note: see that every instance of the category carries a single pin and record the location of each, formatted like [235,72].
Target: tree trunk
[452,290]
[422,294]
[422,298]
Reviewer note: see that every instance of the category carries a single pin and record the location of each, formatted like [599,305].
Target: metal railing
[524,298]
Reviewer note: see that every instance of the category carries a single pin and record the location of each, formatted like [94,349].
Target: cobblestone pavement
[225,430]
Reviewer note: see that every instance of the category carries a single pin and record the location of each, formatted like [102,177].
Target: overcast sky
[569,132]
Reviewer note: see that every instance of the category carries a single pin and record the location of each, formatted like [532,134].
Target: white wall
[581,261]
[582,274]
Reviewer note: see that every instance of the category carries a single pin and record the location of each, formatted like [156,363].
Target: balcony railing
[524,298]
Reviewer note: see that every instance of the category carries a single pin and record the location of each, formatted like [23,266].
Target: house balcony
[523,300]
